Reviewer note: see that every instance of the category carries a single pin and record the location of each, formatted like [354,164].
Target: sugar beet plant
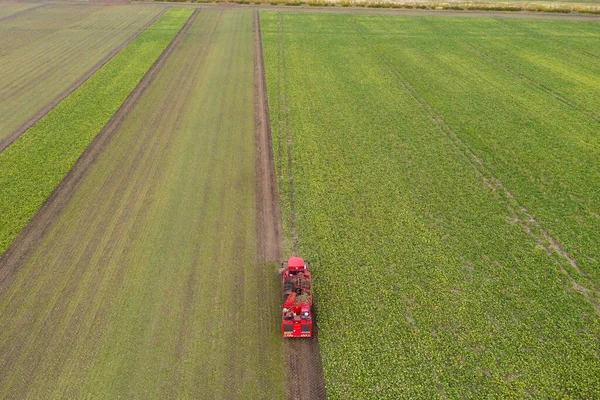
[430,280]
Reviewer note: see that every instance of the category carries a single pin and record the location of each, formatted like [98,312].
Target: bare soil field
[150,282]
[47,52]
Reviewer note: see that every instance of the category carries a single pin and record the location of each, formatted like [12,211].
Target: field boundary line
[10,139]
[304,368]
[43,221]
[532,82]
[25,11]
[517,211]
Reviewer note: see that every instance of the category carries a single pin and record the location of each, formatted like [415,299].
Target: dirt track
[304,369]
[7,141]
[35,231]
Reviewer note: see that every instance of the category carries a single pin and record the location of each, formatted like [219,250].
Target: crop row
[428,283]
[32,167]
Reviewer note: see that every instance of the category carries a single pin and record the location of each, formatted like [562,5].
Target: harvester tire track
[304,371]
[530,224]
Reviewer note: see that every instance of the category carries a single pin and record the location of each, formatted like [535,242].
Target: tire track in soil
[304,369]
[551,245]
[25,11]
[41,224]
[10,139]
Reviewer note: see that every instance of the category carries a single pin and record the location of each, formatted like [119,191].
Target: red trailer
[296,317]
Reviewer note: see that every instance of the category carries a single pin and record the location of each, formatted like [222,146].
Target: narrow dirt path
[302,357]
[7,141]
[35,231]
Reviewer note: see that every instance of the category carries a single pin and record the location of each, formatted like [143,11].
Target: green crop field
[441,173]
[443,176]
[147,285]
[45,51]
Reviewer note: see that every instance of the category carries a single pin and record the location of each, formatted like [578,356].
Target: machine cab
[296,264]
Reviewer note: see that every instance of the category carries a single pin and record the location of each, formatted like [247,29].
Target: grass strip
[33,166]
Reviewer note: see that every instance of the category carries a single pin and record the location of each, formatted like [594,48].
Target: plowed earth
[147,282]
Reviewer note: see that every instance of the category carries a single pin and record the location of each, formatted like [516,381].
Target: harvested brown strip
[304,370]
[7,141]
[33,234]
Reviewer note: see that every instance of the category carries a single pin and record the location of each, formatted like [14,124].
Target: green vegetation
[434,170]
[32,167]
[147,286]
[46,51]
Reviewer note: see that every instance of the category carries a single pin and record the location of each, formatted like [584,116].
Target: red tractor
[296,318]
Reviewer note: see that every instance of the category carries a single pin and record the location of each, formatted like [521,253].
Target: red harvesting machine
[296,318]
